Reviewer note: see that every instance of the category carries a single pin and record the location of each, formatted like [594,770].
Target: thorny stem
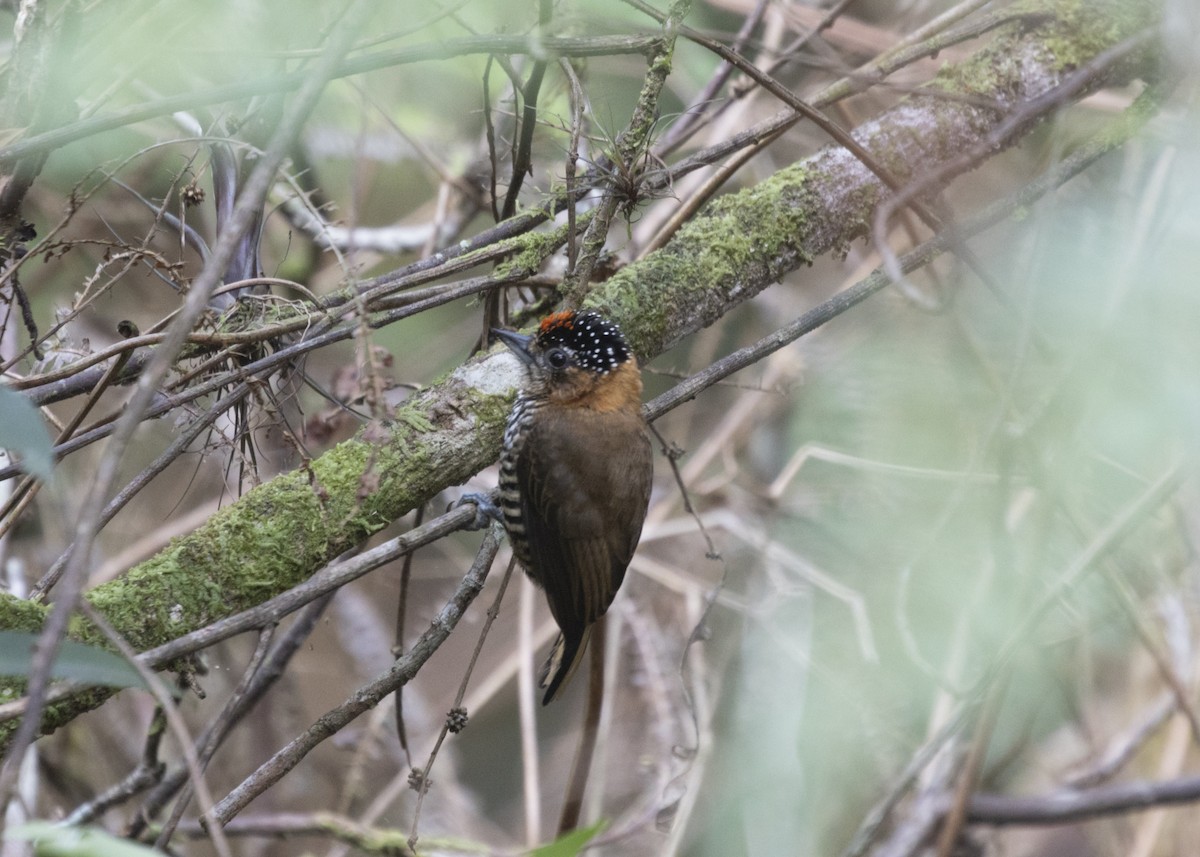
[630,146]
[692,118]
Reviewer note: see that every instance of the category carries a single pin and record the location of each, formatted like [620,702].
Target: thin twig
[1122,751]
[369,840]
[398,646]
[332,577]
[171,712]
[629,147]
[161,462]
[1162,662]
[672,453]
[208,743]
[968,776]
[591,46]
[456,720]
[522,159]
[527,711]
[248,207]
[238,706]
[1025,113]
[369,695]
[149,772]
[690,120]
[1070,805]
[578,102]
[875,819]
[1079,160]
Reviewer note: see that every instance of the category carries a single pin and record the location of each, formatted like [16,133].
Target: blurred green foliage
[1030,417]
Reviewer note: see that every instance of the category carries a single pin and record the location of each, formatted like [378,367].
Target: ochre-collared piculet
[575,473]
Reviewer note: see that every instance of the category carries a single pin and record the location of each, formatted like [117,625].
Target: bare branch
[369,695]
[1069,805]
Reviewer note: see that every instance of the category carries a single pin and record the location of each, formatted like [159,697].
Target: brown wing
[585,484]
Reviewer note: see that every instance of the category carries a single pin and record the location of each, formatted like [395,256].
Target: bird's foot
[486,509]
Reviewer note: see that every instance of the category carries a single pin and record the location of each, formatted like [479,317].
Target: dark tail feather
[560,666]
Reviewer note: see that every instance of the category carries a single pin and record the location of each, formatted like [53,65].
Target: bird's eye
[556,357]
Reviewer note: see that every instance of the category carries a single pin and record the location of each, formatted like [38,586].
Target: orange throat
[618,390]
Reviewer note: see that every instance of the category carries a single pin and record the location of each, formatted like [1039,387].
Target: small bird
[575,473]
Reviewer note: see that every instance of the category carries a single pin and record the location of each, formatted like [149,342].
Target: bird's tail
[560,666]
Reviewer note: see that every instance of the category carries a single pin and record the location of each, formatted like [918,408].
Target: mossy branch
[281,532]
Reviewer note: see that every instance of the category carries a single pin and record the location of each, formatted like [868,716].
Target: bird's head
[578,358]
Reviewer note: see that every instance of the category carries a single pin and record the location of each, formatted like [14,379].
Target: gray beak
[518,343]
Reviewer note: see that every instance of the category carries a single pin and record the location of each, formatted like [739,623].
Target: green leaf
[75,661]
[54,840]
[23,432]
[570,844]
